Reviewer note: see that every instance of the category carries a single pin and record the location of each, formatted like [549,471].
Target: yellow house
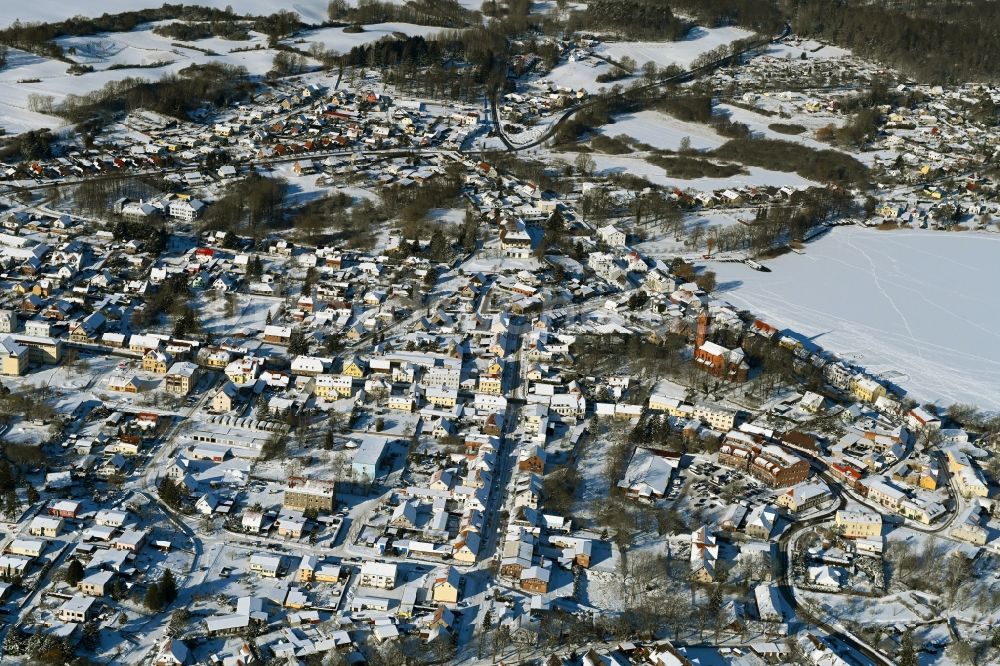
[887,210]
[463,552]
[156,361]
[495,367]
[866,389]
[491,384]
[328,573]
[13,358]
[442,397]
[445,589]
[354,367]
[333,387]
[307,569]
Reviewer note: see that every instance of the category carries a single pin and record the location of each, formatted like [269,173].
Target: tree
[169,493]
[153,601]
[32,494]
[907,653]
[274,447]
[439,248]
[74,573]
[649,71]
[186,323]
[962,651]
[484,631]
[716,609]
[297,343]
[168,588]
[585,164]
[178,620]
[501,639]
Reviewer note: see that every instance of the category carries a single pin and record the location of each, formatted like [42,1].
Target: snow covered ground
[662,131]
[681,53]
[337,40]
[608,164]
[311,11]
[917,307]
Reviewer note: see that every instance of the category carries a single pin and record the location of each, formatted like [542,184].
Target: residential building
[858,524]
[13,357]
[78,608]
[303,494]
[181,378]
[378,574]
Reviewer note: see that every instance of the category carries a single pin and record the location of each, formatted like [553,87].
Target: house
[173,652]
[13,357]
[8,321]
[26,547]
[181,378]
[291,526]
[224,398]
[64,509]
[612,236]
[804,496]
[270,566]
[88,329]
[866,389]
[446,587]
[648,475]
[131,540]
[156,361]
[187,210]
[277,334]
[304,494]
[78,608]
[531,459]
[333,387]
[96,584]
[760,522]
[441,396]
[111,518]
[378,574]
[535,579]
[47,527]
[858,524]
[252,521]
[13,566]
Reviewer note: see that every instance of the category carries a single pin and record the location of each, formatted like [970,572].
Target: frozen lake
[919,308]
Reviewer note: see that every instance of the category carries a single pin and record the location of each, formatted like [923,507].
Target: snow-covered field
[337,40]
[144,47]
[662,131]
[917,307]
[608,164]
[311,11]
[681,53]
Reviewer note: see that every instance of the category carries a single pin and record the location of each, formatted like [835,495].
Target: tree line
[935,40]
[39,38]
[631,19]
